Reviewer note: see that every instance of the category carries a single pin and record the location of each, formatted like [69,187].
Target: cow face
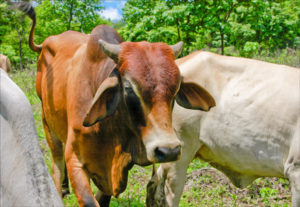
[149,82]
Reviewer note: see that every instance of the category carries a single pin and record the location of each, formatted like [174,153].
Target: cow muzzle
[162,147]
[164,154]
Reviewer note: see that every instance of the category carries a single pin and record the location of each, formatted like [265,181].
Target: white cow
[24,177]
[252,132]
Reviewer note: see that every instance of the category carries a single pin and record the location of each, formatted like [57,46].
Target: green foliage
[272,24]
[252,28]
[249,26]
[267,192]
[53,17]
[13,35]
[250,49]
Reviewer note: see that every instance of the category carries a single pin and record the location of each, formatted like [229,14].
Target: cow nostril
[160,153]
[165,154]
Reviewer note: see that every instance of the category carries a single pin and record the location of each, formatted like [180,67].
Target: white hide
[25,180]
[252,132]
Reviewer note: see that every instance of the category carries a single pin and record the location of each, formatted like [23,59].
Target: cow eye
[134,107]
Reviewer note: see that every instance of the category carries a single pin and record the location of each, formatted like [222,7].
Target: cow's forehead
[152,67]
[145,55]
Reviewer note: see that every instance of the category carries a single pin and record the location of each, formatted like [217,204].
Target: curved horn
[177,48]
[111,50]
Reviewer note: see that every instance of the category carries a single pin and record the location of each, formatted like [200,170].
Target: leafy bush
[250,49]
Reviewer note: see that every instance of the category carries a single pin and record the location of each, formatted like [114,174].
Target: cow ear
[193,96]
[8,65]
[105,101]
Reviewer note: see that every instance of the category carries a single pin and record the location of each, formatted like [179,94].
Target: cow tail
[28,9]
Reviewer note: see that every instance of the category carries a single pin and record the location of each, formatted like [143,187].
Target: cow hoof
[65,192]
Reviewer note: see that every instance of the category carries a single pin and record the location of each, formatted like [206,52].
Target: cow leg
[293,173]
[65,184]
[166,186]
[102,199]
[58,163]
[175,178]
[292,168]
[294,178]
[80,181]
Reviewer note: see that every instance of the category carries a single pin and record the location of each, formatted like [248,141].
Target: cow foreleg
[292,168]
[58,163]
[294,178]
[102,199]
[166,186]
[80,181]
[65,183]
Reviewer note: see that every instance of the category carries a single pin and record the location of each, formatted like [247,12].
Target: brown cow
[5,63]
[107,105]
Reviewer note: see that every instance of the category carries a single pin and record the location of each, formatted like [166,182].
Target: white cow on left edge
[252,132]
[24,177]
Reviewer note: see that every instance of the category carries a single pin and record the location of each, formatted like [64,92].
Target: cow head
[148,81]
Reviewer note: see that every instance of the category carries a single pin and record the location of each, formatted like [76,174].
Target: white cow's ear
[193,96]
[105,101]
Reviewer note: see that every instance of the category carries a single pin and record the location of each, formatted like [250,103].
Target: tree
[249,26]
[14,26]
[81,13]
[53,17]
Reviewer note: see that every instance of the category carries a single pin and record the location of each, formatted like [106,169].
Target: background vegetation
[232,27]
[262,29]
[251,27]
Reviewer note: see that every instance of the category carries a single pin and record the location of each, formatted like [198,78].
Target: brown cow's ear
[193,96]
[8,65]
[105,101]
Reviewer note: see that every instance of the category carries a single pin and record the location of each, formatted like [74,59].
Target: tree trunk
[70,16]
[178,31]
[20,54]
[187,33]
[20,37]
[222,42]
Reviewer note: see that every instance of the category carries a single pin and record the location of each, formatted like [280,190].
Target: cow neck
[121,147]
[203,67]
[120,143]
[100,70]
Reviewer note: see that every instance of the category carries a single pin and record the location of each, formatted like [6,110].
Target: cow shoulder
[65,44]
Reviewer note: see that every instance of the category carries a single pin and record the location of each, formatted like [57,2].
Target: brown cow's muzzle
[162,147]
[164,154]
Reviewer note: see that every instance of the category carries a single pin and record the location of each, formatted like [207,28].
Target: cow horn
[111,50]
[177,48]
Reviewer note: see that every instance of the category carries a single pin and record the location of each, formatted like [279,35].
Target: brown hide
[89,121]
[101,117]
[5,63]
[68,77]
[71,68]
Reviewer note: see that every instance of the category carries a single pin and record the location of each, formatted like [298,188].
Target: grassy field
[205,186]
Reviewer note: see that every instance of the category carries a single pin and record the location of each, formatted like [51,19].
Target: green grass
[285,56]
[205,186]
